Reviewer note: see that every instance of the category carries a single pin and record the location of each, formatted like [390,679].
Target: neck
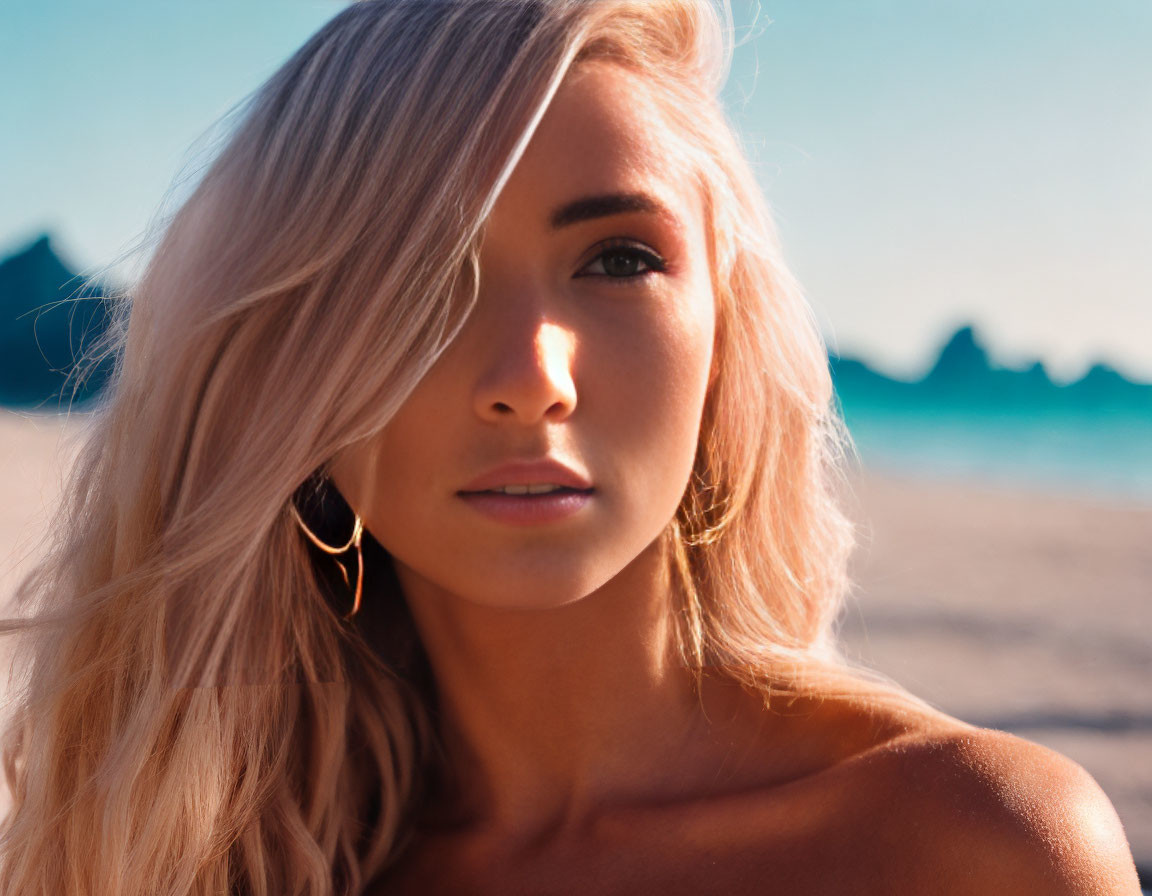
[548,715]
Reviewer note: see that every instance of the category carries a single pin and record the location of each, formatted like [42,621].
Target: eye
[623,260]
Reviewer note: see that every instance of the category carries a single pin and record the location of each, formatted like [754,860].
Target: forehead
[602,133]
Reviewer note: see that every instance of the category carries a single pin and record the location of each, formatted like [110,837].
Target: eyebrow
[589,207]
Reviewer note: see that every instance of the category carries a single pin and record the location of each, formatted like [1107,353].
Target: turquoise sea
[1098,454]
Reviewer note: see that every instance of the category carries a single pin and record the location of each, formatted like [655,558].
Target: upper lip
[534,472]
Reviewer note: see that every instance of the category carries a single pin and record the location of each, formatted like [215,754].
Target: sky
[930,164]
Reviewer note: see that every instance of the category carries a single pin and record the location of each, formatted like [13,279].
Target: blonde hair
[193,715]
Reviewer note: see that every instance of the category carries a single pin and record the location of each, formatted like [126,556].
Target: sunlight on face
[591,343]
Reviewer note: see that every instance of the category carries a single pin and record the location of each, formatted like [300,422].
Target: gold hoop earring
[354,541]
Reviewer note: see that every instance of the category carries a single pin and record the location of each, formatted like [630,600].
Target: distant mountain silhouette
[964,377]
[44,329]
[48,319]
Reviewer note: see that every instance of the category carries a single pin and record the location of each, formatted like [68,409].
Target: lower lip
[527,510]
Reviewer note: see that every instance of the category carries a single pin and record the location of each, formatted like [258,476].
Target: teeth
[541,489]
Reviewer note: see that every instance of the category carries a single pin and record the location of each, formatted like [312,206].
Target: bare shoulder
[997,813]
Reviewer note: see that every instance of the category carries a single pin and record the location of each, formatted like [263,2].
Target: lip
[536,472]
[527,510]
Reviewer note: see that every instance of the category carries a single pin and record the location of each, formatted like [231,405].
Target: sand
[1011,609]
[1016,610]
[35,452]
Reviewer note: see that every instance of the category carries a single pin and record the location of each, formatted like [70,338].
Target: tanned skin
[586,761]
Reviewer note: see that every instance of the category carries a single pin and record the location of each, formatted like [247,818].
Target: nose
[528,374]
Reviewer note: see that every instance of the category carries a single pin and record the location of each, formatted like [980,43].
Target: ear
[713,353]
[713,367]
[354,472]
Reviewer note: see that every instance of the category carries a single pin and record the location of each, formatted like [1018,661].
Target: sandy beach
[1010,609]
[1016,610]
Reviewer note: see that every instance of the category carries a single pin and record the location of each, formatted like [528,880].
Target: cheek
[653,388]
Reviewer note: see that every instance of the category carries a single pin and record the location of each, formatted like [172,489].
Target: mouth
[520,506]
[529,491]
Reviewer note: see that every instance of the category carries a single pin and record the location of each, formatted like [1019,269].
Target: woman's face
[591,344]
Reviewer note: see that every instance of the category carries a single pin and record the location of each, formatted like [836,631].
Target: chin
[533,592]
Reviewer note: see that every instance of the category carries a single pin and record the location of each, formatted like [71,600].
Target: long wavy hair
[190,711]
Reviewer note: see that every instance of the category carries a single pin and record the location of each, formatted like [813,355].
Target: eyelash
[654,262]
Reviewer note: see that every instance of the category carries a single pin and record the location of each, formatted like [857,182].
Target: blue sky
[930,163]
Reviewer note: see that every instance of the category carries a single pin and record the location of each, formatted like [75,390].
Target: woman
[463,518]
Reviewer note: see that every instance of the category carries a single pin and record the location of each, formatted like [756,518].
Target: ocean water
[1093,454]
